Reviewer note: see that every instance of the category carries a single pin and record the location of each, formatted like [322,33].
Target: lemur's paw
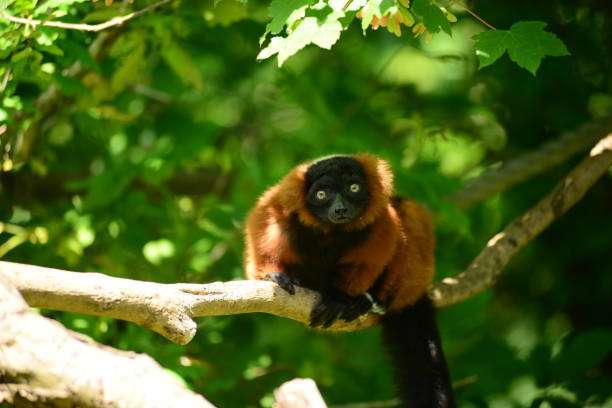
[357,306]
[284,281]
[336,306]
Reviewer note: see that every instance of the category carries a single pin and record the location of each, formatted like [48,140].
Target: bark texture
[44,364]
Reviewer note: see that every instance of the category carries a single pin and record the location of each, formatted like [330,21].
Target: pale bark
[167,309]
[298,393]
[44,364]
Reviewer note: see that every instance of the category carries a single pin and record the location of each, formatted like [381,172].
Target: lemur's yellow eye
[355,188]
[321,195]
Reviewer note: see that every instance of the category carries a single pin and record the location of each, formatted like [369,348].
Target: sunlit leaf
[280,10]
[309,31]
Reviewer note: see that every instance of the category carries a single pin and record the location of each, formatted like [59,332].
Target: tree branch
[484,271]
[169,309]
[43,364]
[298,393]
[519,169]
[113,22]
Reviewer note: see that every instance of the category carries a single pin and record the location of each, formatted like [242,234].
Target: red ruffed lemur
[335,226]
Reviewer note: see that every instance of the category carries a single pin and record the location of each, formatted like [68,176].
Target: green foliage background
[146,165]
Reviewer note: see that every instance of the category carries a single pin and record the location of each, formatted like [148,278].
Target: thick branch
[43,364]
[169,309]
[484,271]
[519,169]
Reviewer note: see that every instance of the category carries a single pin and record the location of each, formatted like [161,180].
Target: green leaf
[309,31]
[70,86]
[530,44]
[280,10]
[226,13]
[51,49]
[182,65]
[103,14]
[432,17]
[20,55]
[130,67]
[53,4]
[490,46]
[347,19]
[4,4]
[526,42]
[105,188]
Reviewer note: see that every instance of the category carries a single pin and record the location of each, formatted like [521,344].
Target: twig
[464,382]
[12,243]
[482,20]
[473,14]
[152,93]
[11,228]
[115,21]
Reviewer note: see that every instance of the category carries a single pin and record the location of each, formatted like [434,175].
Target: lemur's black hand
[357,306]
[284,281]
[336,305]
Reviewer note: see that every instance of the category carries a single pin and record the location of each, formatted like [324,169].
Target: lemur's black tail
[413,342]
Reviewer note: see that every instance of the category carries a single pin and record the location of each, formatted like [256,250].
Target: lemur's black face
[336,190]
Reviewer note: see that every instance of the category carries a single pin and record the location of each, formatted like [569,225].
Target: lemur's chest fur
[320,253]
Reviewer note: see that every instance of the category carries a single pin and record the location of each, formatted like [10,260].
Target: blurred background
[145,163]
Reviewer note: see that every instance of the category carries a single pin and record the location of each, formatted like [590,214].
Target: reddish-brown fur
[401,239]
